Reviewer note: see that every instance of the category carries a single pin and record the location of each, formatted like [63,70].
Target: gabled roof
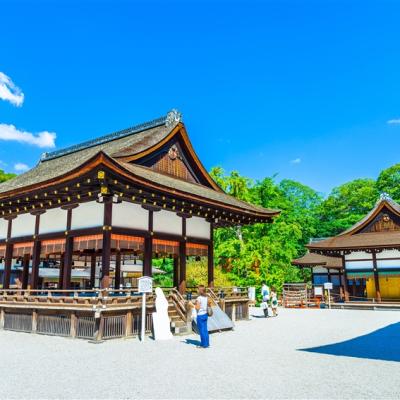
[313,260]
[127,145]
[120,151]
[360,236]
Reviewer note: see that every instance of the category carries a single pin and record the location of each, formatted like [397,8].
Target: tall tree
[389,182]
[346,205]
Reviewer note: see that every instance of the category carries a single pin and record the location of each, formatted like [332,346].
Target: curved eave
[103,160]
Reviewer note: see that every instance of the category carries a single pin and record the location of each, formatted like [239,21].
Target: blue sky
[304,89]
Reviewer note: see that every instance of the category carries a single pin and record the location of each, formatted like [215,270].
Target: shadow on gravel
[382,344]
[193,342]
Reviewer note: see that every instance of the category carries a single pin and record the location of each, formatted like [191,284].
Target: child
[274,303]
[264,306]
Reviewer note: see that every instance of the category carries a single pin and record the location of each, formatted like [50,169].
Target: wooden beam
[106,252]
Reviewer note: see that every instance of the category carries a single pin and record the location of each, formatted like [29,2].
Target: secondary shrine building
[86,214]
[365,259]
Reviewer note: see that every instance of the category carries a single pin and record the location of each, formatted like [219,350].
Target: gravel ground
[262,358]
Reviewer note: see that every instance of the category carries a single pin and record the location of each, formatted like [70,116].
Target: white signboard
[145,284]
[318,291]
[328,285]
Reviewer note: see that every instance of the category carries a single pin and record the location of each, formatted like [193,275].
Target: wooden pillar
[93,271]
[106,251]
[67,264]
[376,278]
[8,258]
[210,258]
[25,270]
[148,249]
[182,267]
[61,272]
[8,265]
[176,271]
[182,259]
[37,246]
[117,278]
[345,285]
[329,275]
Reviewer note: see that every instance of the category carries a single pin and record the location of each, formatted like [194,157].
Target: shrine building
[84,213]
[365,259]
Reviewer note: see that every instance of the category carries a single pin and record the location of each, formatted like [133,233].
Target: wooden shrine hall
[138,193]
[367,255]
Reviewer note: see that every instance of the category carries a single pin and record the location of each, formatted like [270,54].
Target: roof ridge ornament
[385,196]
[173,117]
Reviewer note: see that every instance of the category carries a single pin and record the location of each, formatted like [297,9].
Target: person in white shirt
[201,305]
[265,293]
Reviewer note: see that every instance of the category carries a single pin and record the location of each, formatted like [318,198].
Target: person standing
[274,302]
[265,298]
[201,306]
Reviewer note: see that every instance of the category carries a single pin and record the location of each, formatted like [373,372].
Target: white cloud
[296,161]
[395,121]
[9,91]
[21,167]
[41,139]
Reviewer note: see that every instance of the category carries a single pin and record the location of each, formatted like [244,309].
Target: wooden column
[8,258]
[345,285]
[37,245]
[117,278]
[148,249]
[61,272]
[176,271]
[210,258]
[376,278]
[8,265]
[69,248]
[93,271]
[67,268]
[106,251]
[25,270]
[329,275]
[182,259]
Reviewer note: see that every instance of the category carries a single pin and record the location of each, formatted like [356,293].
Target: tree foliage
[264,252]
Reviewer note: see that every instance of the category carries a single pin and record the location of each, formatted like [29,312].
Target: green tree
[346,205]
[5,176]
[389,182]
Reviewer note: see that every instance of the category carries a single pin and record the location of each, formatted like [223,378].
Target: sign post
[328,286]
[145,285]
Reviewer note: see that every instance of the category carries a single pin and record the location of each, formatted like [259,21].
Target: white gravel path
[260,359]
